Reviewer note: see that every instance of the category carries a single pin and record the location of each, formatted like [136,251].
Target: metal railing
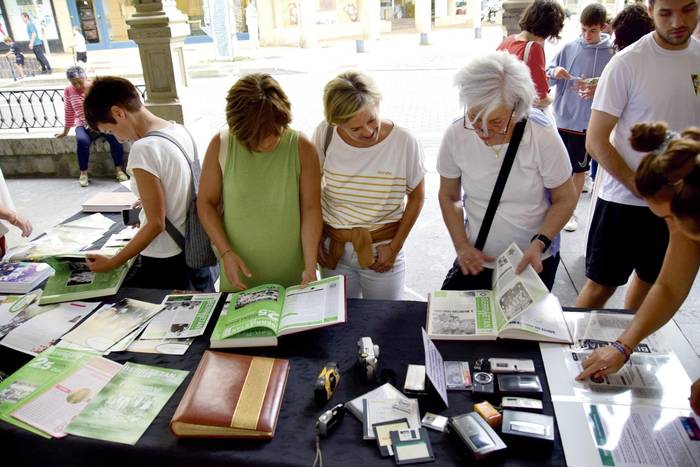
[36,108]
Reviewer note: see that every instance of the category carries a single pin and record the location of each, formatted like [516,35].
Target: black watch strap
[543,238]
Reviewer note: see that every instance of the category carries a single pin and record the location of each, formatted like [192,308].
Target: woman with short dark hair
[266,177]
[542,20]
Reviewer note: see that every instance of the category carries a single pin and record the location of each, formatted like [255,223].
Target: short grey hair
[496,79]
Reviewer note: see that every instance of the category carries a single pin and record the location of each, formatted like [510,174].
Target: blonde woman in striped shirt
[372,189]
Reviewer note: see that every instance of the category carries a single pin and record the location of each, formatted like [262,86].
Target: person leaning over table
[8,215]
[266,177]
[539,197]
[669,179]
[372,189]
[160,177]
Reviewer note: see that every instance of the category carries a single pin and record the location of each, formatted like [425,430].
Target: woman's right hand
[471,261]
[233,266]
[22,224]
[603,361]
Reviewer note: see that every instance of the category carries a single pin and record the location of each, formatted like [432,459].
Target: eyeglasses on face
[473,124]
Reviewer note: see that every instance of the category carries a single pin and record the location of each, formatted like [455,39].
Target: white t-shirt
[80,45]
[366,187]
[645,83]
[540,163]
[6,201]
[163,159]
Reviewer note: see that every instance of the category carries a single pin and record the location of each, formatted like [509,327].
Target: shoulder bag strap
[194,171]
[500,183]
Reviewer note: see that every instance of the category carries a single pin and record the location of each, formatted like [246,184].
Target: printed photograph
[80,274]
[514,300]
[246,298]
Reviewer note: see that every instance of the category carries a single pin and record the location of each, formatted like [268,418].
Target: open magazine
[257,316]
[519,306]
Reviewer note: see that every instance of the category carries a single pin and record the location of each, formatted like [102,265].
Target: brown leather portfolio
[232,396]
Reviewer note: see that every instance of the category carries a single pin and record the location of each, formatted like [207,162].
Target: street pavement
[418,94]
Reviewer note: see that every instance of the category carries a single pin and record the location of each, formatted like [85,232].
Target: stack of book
[20,278]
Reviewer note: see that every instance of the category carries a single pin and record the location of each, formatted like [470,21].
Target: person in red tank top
[542,20]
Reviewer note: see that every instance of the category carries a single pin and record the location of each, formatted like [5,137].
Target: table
[394,326]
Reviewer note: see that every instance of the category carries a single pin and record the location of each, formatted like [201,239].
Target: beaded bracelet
[621,348]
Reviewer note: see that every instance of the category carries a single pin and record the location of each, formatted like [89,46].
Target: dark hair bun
[647,137]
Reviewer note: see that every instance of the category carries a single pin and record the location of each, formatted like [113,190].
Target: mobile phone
[131,216]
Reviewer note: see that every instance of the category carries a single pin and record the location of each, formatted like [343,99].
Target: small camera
[483,383]
[367,357]
[329,419]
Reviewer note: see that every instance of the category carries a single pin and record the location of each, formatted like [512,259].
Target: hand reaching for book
[533,257]
[233,267]
[98,263]
[22,224]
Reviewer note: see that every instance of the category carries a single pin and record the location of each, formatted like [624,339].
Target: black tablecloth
[394,326]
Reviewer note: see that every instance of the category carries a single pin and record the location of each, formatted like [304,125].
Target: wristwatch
[543,238]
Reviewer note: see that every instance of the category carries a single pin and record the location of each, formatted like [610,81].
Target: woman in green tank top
[267,178]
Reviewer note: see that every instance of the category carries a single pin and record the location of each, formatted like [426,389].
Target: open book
[518,307]
[257,317]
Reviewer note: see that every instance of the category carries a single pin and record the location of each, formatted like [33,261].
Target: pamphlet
[51,411]
[183,315]
[161,346]
[16,309]
[38,375]
[654,374]
[74,281]
[434,368]
[111,323]
[122,411]
[43,330]
[257,316]
[518,307]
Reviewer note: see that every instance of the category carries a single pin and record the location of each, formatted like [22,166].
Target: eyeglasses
[468,124]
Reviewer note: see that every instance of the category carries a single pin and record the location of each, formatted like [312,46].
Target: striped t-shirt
[73,103]
[367,187]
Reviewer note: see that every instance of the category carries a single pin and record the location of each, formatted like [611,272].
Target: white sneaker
[587,185]
[572,224]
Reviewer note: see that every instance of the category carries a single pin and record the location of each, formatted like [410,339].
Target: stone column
[159,30]
[512,9]
[266,24]
[307,24]
[370,12]
[423,21]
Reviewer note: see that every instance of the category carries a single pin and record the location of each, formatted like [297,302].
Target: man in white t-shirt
[650,80]
[160,176]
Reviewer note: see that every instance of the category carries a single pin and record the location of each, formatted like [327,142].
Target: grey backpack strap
[327,140]
[194,170]
[526,55]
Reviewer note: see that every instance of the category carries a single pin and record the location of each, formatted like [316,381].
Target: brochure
[122,411]
[52,410]
[43,330]
[183,315]
[111,323]
[518,307]
[41,373]
[61,239]
[74,281]
[20,278]
[257,317]
[16,309]
[161,346]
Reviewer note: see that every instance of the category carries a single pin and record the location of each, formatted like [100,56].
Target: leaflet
[183,315]
[111,323]
[653,376]
[128,404]
[54,409]
[16,309]
[43,330]
[42,372]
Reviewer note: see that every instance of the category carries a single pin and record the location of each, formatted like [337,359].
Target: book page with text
[319,303]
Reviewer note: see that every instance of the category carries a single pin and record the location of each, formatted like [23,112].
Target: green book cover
[257,316]
[123,410]
[73,280]
[38,375]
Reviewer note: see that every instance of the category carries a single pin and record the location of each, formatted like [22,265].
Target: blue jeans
[84,139]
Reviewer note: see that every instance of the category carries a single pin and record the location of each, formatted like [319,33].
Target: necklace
[496,151]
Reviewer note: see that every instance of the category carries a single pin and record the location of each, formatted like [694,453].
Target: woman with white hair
[499,124]
[372,189]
